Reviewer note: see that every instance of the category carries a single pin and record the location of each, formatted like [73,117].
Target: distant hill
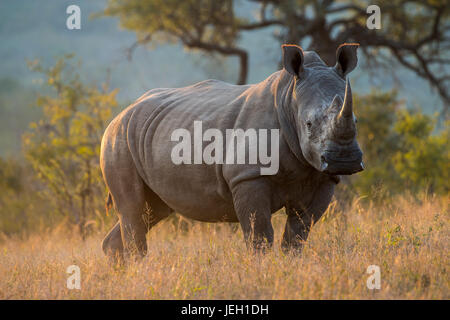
[36,29]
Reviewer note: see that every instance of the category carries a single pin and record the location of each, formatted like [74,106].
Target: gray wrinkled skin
[308,101]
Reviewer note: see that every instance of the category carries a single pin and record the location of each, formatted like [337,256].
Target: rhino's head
[325,123]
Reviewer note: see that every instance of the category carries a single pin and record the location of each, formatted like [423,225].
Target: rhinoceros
[308,102]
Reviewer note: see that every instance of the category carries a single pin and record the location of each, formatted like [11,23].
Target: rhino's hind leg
[138,208]
[137,218]
[112,244]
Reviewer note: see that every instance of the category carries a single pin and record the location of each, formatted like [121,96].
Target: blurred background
[59,88]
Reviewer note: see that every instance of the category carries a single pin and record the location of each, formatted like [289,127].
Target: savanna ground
[408,238]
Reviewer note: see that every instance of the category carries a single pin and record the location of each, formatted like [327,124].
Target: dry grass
[408,239]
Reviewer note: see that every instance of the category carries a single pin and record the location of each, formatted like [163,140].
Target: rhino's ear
[293,59]
[346,58]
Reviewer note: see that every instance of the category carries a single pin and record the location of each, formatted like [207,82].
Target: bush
[402,151]
[21,208]
[63,147]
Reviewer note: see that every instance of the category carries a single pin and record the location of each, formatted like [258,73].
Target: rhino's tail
[109,203]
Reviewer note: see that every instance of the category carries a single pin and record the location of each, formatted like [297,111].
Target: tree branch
[240,53]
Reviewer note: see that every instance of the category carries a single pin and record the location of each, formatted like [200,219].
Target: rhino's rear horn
[336,104]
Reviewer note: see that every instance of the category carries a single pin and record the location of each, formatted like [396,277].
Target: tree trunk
[325,47]
[227,51]
[243,68]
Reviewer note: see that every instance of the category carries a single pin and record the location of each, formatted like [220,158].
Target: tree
[414,34]
[206,25]
[63,147]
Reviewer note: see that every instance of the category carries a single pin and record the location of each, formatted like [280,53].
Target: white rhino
[309,103]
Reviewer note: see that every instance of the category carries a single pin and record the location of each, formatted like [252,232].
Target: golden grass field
[408,239]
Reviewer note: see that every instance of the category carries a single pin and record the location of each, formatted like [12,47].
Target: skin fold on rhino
[309,102]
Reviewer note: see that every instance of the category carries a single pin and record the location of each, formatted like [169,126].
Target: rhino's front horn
[347,106]
[344,126]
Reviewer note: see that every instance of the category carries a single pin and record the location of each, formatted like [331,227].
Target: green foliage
[63,147]
[394,236]
[401,150]
[200,20]
[423,159]
[21,208]
[376,114]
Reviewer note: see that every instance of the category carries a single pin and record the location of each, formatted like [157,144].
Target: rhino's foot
[294,249]
[114,249]
[112,244]
[262,246]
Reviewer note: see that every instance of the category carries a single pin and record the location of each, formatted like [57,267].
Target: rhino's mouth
[338,163]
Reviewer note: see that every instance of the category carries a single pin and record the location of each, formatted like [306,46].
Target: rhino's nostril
[324,164]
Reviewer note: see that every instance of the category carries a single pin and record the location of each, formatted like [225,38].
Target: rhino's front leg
[300,219]
[252,203]
[296,230]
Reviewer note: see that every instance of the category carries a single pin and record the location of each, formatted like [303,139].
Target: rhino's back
[192,190]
